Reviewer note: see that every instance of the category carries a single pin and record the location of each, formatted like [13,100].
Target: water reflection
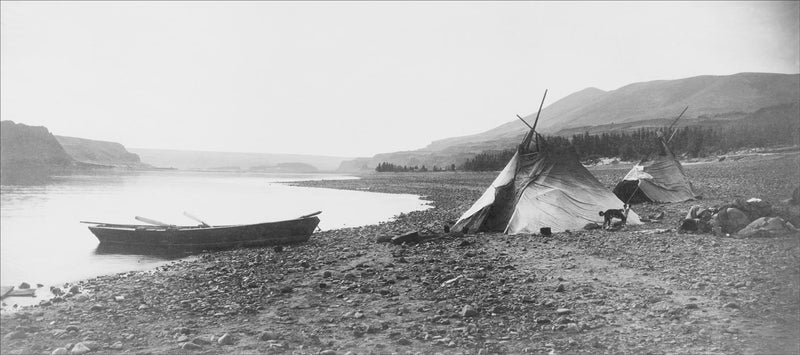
[156,252]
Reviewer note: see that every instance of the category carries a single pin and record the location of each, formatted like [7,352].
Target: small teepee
[658,177]
[540,187]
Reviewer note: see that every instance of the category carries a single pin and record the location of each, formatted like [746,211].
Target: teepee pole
[523,121]
[540,111]
[673,124]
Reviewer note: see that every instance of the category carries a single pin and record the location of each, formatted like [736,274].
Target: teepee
[540,187]
[657,177]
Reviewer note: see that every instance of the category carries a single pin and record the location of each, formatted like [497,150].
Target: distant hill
[29,153]
[99,152]
[712,100]
[198,160]
[30,146]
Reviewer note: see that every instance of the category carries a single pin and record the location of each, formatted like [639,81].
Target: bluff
[23,146]
[99,152]
[29,153]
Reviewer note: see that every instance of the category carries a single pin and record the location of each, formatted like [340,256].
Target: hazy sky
[353,78]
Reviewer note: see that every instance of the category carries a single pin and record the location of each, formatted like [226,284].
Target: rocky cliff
[99,152]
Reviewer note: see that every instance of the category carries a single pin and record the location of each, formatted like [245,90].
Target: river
[42,241]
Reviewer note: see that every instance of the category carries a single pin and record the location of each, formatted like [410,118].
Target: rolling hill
[648,104]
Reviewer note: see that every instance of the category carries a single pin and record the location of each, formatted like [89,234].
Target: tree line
[389,167]
[765,128]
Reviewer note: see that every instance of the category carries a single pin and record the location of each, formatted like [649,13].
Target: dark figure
[608,215]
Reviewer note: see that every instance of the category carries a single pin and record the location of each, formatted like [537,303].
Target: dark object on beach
[795,196]
[383,239]
[591,226]
[278,249]
[412,237]
[163,235]
[545,231]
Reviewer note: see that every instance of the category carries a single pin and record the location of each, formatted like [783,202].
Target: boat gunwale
[149,228]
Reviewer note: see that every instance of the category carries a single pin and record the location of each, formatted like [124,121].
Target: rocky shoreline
[646,289]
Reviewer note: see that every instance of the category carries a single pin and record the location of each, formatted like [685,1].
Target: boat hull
[271,233]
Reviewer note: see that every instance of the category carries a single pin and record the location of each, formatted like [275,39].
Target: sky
[353,78]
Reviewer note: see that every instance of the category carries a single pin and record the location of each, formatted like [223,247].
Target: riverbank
[636,291]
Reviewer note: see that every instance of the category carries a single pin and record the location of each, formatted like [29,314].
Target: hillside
[99,152]
[28,152]
[712,101]
[197,160]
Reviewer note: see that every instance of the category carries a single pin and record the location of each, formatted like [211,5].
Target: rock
[72,328]
[767,227]
[17,334]
[24,286]
[74,289]
[404,341]
[183,339]
[268,336]
[795,196]
[92,345]
[731,305]
[591,226]
[116,346]
[560,288]
[691,306]
[79,348]
[225,339]
[327,274]
[286,289]
[383,239]
[468,311]
[97,307]
[60,351]
[658,216]
[543,321]
[191,346]
[563,311]
[327,352]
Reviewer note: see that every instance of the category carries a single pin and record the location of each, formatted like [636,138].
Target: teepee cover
[543,188]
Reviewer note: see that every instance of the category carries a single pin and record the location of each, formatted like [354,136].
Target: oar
[204,224]
[310,215]
[152,221]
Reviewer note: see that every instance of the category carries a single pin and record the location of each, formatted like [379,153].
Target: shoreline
[632,291]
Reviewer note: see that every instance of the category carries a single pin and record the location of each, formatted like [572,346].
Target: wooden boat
[205,236]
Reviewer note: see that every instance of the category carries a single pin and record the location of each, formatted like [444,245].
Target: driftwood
[417,237]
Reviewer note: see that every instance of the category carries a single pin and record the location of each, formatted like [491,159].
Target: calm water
[41,240]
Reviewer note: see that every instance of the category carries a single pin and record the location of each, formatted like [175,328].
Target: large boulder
[767,227]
